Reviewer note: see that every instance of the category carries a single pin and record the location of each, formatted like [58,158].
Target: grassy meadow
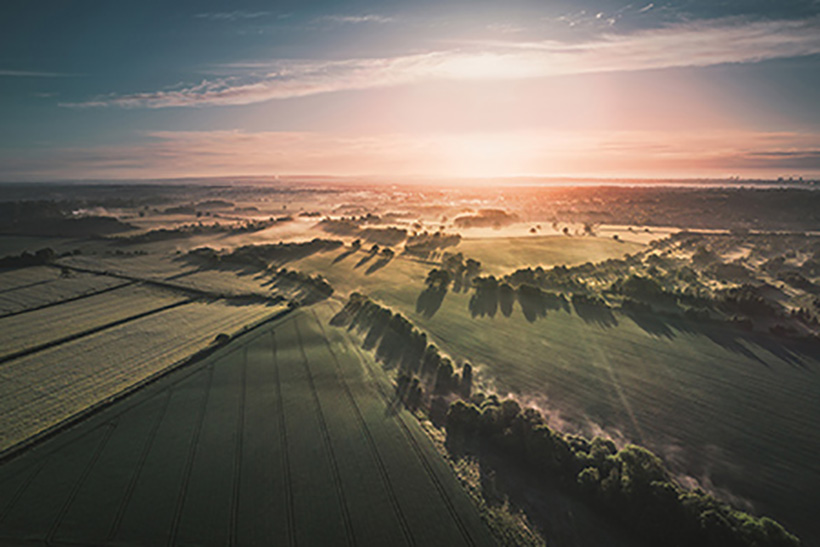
[717,403]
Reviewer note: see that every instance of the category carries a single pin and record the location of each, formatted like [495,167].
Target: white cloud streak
[355,19]
[697,44]
[33,74]
[232,15]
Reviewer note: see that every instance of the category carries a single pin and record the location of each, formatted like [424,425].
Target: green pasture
[506,254]
[732,410]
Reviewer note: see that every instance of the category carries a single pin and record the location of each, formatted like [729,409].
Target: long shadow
[651,323]
[367,258]
[429,301]
[484,302]
[506,299]
[731,337]
[600,315]
[378,265]
[344,255]
[535,303]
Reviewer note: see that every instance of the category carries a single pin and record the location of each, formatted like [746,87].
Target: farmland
[659,384]
[41,390]
[30,289]
[43,326]
[113,377]
[281,437]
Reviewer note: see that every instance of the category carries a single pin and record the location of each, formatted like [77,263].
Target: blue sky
[95,89]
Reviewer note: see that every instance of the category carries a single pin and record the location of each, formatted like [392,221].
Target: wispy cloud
[232,15]
[695,44]
[33,74]
[646,8]
[355,19]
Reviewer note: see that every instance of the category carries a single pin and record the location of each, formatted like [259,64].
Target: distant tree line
[352,226]
[262,256]
[38,258]
[199,228]
[425,244]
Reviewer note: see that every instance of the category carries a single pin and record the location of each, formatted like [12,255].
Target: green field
[283,437]
[733,411]
[506,254]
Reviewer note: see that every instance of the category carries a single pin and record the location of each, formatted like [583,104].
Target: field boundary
[13,451]
[89,332]
[163,283]
[66,300]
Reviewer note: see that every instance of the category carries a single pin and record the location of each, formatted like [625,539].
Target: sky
[430,89]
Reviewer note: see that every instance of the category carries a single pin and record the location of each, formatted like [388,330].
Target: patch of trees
[52,218]
[313,287]
[745,300]
[630,484]
[262,256]
[461,271]
[799,281]
[187,230]
[351,226]
[425,244]
[383,236]
[216,204]
[643,289]
[422,370]
[558,278]
[486,218]
[24,259]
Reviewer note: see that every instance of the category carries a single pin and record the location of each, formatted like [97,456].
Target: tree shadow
[484,302]
[535,303]
[651,323]
[506,299]
[344,254]
[595,313]
[378,265]
[367,258]
[728,336]
[430,300]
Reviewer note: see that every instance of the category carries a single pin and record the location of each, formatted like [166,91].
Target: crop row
[45,291]
[44,389]
[32,329]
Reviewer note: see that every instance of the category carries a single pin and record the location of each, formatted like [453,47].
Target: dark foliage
[630,484]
